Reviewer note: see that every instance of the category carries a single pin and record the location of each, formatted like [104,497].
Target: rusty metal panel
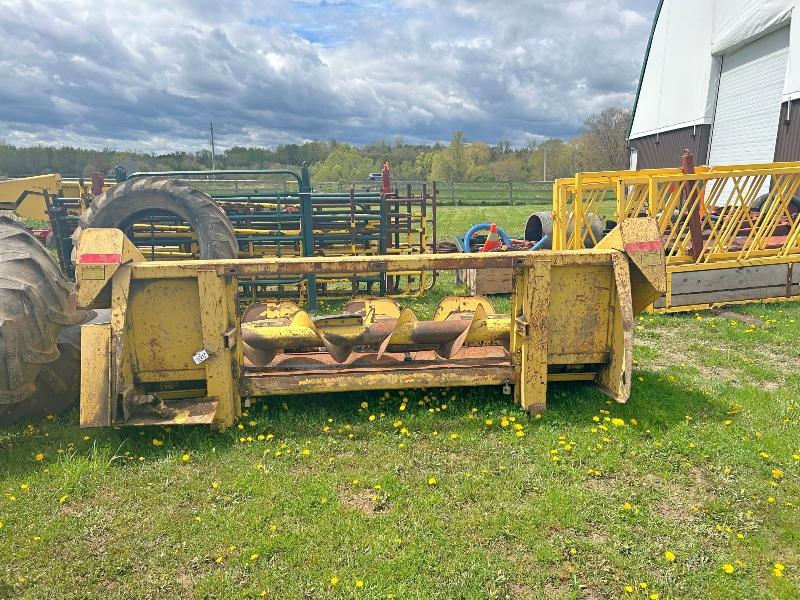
[580,297]
[165,329]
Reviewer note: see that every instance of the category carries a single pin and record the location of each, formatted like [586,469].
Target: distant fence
[449,193]
[459,193]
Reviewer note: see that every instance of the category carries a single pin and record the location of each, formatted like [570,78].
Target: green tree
[451,164]
[345,163]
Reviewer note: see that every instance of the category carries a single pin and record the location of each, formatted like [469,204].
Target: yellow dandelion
[215,485]
[365,405]
[453,436]
[359,583]
[520,433]
[185,458]
[158,442]
[372,417]
[669,556]
[627,506]
[653,596]
[261,437]
[397,423]
[643,585]
[39,457]
[728,568]
[306,452]
[776,473]
[24,487]
[334,581]
[629,589]
[86,438]
[63,499]
[618,422]
[254,556]
[432,481]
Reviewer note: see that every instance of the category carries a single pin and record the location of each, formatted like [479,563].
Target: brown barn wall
[787,144]
[665,149]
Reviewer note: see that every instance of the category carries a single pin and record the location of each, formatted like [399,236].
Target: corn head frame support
[176,350]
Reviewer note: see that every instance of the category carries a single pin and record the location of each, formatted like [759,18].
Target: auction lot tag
[200,357]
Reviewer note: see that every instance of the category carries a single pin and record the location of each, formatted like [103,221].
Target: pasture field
[690,490]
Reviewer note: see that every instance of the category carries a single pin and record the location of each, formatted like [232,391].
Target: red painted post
[386,186]
[695,227]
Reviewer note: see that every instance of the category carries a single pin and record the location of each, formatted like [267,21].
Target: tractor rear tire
[36,304]
[126,203]
[764,202]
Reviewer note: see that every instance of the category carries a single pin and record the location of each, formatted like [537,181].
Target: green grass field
[690,490]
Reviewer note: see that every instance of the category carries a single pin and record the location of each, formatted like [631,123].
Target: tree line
[601,146]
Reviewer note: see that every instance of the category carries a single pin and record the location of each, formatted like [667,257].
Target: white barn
[722,78]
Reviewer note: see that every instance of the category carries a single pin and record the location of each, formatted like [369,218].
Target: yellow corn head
[177,351]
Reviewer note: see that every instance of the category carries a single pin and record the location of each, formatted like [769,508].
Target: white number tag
[200,357]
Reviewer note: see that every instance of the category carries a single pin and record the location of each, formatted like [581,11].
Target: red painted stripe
[99,259]
[651,246]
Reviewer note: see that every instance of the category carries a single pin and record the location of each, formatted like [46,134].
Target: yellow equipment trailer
[731,233]
[176,350]
[26,196]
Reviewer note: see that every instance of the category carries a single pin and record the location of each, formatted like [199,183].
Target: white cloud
[146,74]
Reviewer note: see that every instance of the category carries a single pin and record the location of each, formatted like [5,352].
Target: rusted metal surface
[695,229]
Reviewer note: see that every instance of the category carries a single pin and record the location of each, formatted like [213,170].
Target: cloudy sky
[151,75]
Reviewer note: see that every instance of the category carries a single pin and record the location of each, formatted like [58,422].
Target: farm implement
[731,233]
[177,349]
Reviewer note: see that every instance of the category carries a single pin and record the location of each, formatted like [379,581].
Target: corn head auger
[177,352]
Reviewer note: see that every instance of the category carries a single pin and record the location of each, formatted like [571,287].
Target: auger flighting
[377,326]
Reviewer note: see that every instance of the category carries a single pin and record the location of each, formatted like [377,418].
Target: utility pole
[212,147]
[544,170]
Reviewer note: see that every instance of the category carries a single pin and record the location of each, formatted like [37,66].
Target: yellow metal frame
[722,197]
[174,347]
[25,196]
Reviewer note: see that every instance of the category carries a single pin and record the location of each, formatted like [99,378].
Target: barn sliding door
[749,101]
